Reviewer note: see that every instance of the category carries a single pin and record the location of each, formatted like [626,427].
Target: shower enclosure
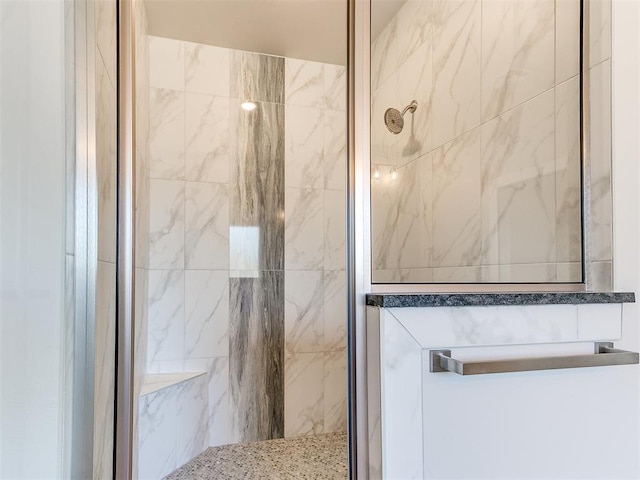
[240,244]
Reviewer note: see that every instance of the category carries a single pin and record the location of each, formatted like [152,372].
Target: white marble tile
[567,53]
[167,134]
[218,393]
[157,442]
[600,322]
[335,87]
[415,83]
[528,273]
[207,225]
[518,175]
[166,224]
[600,276]
[304,237]
[152,383]
[192,416]
[384,144]
[409,242]
[415,23]
[335,310]
[304,83]
[335,391]
[206,69]
[335,150]
[384,55]
[425,210]
[568,176]
[457,274]
[373,393]
[207,138]
[304,142]
[106,164]
[105,365]
[165,367]
[206,329]
[456,202]
[166,63]
[518,41]
[335,235]
[303,394]
[384,219]
[600,229]
[166,316]
[525,231]
[401,368]
[456,68]
[599,31]
[469,326]
[415,275]
[569,272]
[106,34]
[303,311]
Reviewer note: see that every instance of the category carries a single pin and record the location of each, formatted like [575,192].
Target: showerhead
[394,120]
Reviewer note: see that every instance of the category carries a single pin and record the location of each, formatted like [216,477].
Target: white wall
[626,153]
[32,237]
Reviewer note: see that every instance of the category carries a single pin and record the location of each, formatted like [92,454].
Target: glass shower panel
[245,162]
[476,141]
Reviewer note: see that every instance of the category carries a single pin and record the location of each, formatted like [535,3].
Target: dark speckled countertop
[392,300]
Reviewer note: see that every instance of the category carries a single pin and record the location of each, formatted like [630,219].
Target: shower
[394,120]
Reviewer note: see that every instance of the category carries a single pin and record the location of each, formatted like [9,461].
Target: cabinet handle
[605,355]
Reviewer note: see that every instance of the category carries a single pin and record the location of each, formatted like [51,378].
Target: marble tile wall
[247,237]
[483,184]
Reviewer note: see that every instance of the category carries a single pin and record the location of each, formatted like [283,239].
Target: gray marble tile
[486,299]
[256,357]
[256,77]
[257,178]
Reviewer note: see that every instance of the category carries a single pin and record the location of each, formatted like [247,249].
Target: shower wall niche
[484,182]
[246,247]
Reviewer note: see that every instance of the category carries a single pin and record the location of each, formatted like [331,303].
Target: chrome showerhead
[394,120]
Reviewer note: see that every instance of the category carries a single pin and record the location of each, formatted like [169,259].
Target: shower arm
[411,107]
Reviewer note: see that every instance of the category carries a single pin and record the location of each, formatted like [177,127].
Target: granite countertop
[392,300]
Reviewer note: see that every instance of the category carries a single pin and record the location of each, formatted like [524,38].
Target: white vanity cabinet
[578,423]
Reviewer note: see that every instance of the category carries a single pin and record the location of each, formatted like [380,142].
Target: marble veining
[479,299]
[256,77]
[257,178]
[256,357]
